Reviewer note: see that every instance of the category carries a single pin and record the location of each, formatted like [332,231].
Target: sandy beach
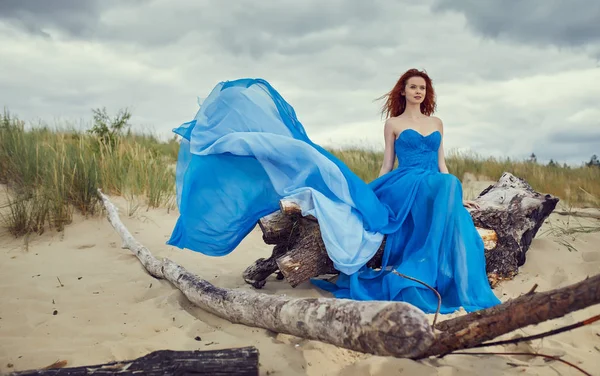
[78,296]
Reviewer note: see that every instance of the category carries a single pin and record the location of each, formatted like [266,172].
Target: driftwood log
[510,215]
[381,328]
[239,362]
[515,211]
[528,309]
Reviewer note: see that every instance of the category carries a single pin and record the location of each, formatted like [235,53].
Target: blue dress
[245,150]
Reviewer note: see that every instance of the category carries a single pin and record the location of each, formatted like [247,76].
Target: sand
[78,296]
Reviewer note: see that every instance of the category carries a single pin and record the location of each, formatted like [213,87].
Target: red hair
[395,103]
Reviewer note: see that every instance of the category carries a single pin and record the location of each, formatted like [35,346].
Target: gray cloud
[73,16]
[562,152]
[587,136]
[329,60]
[242,27]
[569,23]
[293,27]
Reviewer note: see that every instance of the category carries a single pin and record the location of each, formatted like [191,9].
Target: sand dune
[78,296]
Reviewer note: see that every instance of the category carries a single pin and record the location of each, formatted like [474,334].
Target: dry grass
[50,173]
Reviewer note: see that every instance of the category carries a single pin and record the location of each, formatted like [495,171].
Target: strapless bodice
[413,150]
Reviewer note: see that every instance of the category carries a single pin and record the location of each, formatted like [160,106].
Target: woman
[246,149]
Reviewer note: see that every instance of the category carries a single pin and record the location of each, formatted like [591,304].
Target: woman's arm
[441,158]
[444,169]
[388,154]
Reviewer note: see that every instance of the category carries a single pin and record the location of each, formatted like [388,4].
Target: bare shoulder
[392,124]
[396,123]
[436,120]
[439,124]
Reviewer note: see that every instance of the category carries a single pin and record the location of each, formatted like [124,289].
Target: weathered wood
[510,215]
[475,328]
[257,273]
[297,265]
[277,227]
[290,208]
[489,237]
[150,263]
[515,211]
[240,362]
[381,328]
[281,230]
[307,257]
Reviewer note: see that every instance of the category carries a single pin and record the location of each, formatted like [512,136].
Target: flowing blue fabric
[245,150]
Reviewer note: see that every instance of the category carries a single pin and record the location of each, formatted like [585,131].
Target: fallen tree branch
[533,308]
[150,263]
[576,296]
[381,328]
[240,362]
[548,333]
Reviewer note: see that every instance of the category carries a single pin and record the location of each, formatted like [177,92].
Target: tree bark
[282,231]
[381,328]
[150,263]
[277,228]
[239,362]
[257,273]
[473,329]
[510,215]
[515,211]
[298,265]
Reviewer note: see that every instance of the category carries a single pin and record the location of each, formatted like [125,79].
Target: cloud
[579,137]
[74,17]
[533,114]
[585,136]
[497,96]
[572,23]
[241,27]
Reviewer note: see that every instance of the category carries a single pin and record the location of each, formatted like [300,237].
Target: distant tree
[107,129]
[594,162]
[532,158]
[552,163]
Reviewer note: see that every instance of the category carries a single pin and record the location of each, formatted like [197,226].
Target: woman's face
[415,90]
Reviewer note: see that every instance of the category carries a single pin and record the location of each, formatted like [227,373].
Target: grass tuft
[51,173]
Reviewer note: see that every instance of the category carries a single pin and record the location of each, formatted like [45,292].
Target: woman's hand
[471,204]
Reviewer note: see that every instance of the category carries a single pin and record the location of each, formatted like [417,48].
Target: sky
[512,77]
